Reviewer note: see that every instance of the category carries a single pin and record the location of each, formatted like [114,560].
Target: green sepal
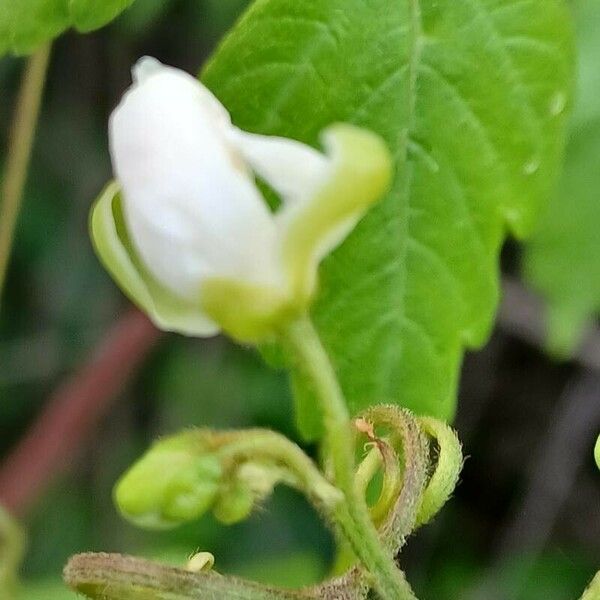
[361,175]
[113,247]
[248,313]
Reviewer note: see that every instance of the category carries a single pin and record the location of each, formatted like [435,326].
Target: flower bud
[171,484]
[186,231]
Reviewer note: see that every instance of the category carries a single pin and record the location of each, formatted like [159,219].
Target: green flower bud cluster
[184,476]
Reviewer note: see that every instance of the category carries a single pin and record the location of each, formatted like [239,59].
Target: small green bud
[170,485]
[597,452]
[229,473]
[234,504]
[200,562]
[252,484]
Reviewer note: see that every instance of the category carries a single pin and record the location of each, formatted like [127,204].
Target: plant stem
[352,515]
[117,577]
[12,546]
[19,151]
[302,472]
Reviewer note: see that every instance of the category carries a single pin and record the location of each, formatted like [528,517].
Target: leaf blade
[26,24]
[463,93]
[562,260]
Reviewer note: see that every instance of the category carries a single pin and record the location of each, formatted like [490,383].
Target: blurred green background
[525,520]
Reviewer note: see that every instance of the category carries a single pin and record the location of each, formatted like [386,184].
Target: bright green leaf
[563,257]
[470,96]
[25,24]
[88,15]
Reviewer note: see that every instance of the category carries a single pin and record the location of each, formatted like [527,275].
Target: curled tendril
[419,459]
[408,443]
[430,457]
[381,456]
[444,478]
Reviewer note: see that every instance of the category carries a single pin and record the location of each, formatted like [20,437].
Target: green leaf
[26,24]
[88,15]
[470,96]
[563,258]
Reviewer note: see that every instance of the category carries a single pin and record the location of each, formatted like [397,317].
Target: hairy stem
[19,151]
[352,515]
[303,473]
[117,577]
[444,479]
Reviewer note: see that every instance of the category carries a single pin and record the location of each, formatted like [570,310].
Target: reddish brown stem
[73,411]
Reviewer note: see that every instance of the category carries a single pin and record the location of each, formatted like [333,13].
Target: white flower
[190,237]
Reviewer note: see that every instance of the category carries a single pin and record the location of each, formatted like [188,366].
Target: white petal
[148,66]
[294,170]
[145,67]
[191,206]
[114,250]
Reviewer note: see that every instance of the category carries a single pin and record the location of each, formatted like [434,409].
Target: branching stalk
[353,514]
[260,444]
